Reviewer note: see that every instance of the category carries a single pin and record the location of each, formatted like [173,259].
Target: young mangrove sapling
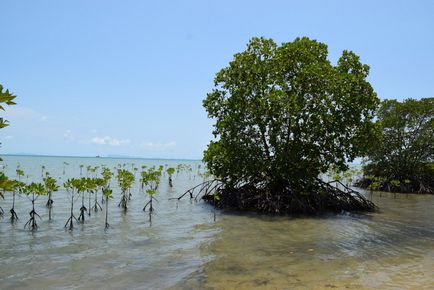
[125,180]
[151,179]
[19,188]
[50,186]
[70,185]
[80,188]
[34,190]
[170,171]
[99,182]
[107,193]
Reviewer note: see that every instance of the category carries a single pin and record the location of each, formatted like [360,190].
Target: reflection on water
[393,248]
[131,254]
[185,249]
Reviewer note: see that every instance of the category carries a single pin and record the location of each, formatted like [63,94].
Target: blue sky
[128,77]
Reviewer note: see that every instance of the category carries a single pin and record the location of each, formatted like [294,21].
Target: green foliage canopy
[125,179]
[405,148]
[285,113]
[6,184]
[6,98]
[50,184]
[170,171]
[151,179]
[35,188]
[107,192]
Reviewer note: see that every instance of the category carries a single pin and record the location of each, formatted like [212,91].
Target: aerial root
[70,222]
[83,209]
[31,223]
[14,215]
[302,197]
[96,206]
[416,185]
[49,203]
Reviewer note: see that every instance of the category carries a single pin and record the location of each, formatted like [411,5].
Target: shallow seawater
[185,248]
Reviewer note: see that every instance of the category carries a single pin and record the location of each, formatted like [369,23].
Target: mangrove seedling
[5,185]
[106,176]
[151,180]
[51,186]
[42,171]
[142,185]
[19,188]
[64,167]
[179,167]
[135,170]
[151,193]
[107,193]
[88,169]
[20,173]
[70,185]
[99,182]
[35,190]
[170,171]
[125,180]
[90,187]
[80,187]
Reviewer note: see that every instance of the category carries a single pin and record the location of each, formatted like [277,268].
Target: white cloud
[107,140]
[170,144]
[98,140]
[68,135]
[158,145]
[24,113]
[117,142]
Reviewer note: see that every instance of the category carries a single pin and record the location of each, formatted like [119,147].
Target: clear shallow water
[185,249]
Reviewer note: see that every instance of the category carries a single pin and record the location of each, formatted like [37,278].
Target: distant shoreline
[102,157]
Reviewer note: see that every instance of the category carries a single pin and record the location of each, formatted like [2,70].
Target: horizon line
[98,156]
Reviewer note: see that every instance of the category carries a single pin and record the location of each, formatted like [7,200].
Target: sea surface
[188,245]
